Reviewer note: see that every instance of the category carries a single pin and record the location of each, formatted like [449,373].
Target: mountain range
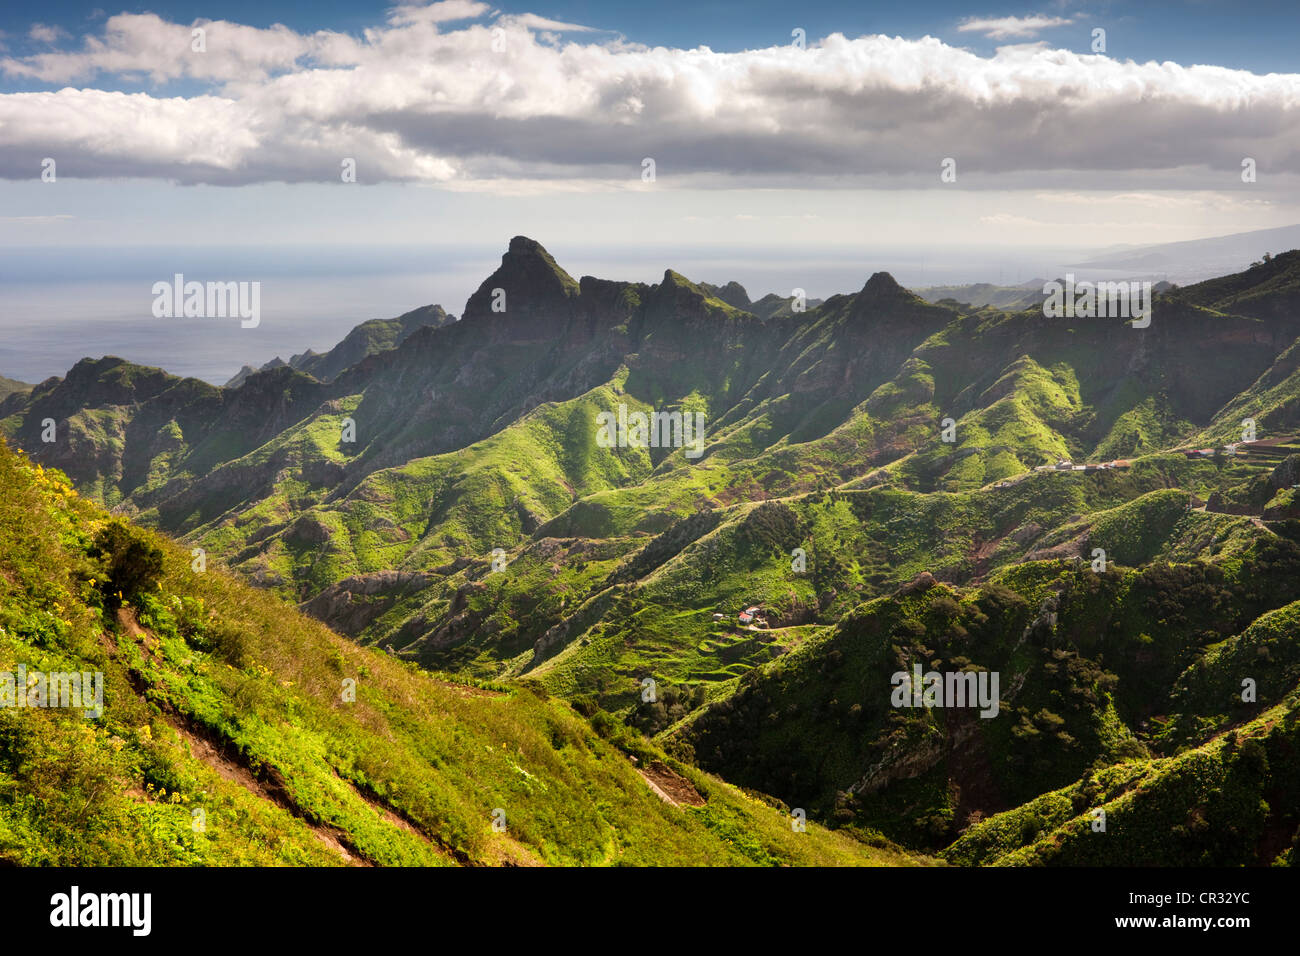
[1197,259]
[881,477]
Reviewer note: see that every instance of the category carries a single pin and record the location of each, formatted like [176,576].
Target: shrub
[132,563]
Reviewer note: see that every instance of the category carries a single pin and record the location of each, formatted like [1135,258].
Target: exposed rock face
[1027,532]
[733,293]
[529,298]
[921,583]
[355,602]
[1042,629]
[559,635]
[914,761]
[1286,474]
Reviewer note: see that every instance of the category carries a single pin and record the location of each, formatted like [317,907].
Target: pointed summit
[883,304]
[677,298]
[882,295]
[882,285]
[528,284]
[522,245]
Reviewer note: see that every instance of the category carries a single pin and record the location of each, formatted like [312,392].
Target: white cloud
[1171,201]
[43,33]
[1005,28]
[532,21]
[36,220]
[146,45]
[411,101]
[445,11]
[1010,220]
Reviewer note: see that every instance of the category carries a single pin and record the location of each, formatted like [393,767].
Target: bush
[132,563]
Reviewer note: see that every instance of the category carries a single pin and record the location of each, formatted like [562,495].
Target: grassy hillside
[220,699]
[9,386]
[1231,802]
[1095,669]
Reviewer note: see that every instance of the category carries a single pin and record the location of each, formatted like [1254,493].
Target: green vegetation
[220,700]
[9,386]
[476,529]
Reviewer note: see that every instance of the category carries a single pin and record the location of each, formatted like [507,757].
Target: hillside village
[1272,449]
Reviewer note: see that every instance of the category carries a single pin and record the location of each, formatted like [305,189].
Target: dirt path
[271,790]
[671,787]
[206,751]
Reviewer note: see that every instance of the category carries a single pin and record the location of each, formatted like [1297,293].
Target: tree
[132,563]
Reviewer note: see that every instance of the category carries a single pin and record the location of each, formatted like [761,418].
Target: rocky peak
[883,295]
[733,293]
[882,285]
[533,286]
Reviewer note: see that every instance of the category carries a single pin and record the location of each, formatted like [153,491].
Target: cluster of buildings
[1270,449]
[1066,465]
[1232,448]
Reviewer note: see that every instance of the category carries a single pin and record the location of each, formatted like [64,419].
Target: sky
[476,121]
[345,136]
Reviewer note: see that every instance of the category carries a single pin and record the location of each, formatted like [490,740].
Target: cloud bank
[448,93]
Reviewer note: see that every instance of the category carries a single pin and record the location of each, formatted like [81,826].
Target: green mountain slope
[227,734]
[8,386]
[368,338]
[1090,665]
[1230,802]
